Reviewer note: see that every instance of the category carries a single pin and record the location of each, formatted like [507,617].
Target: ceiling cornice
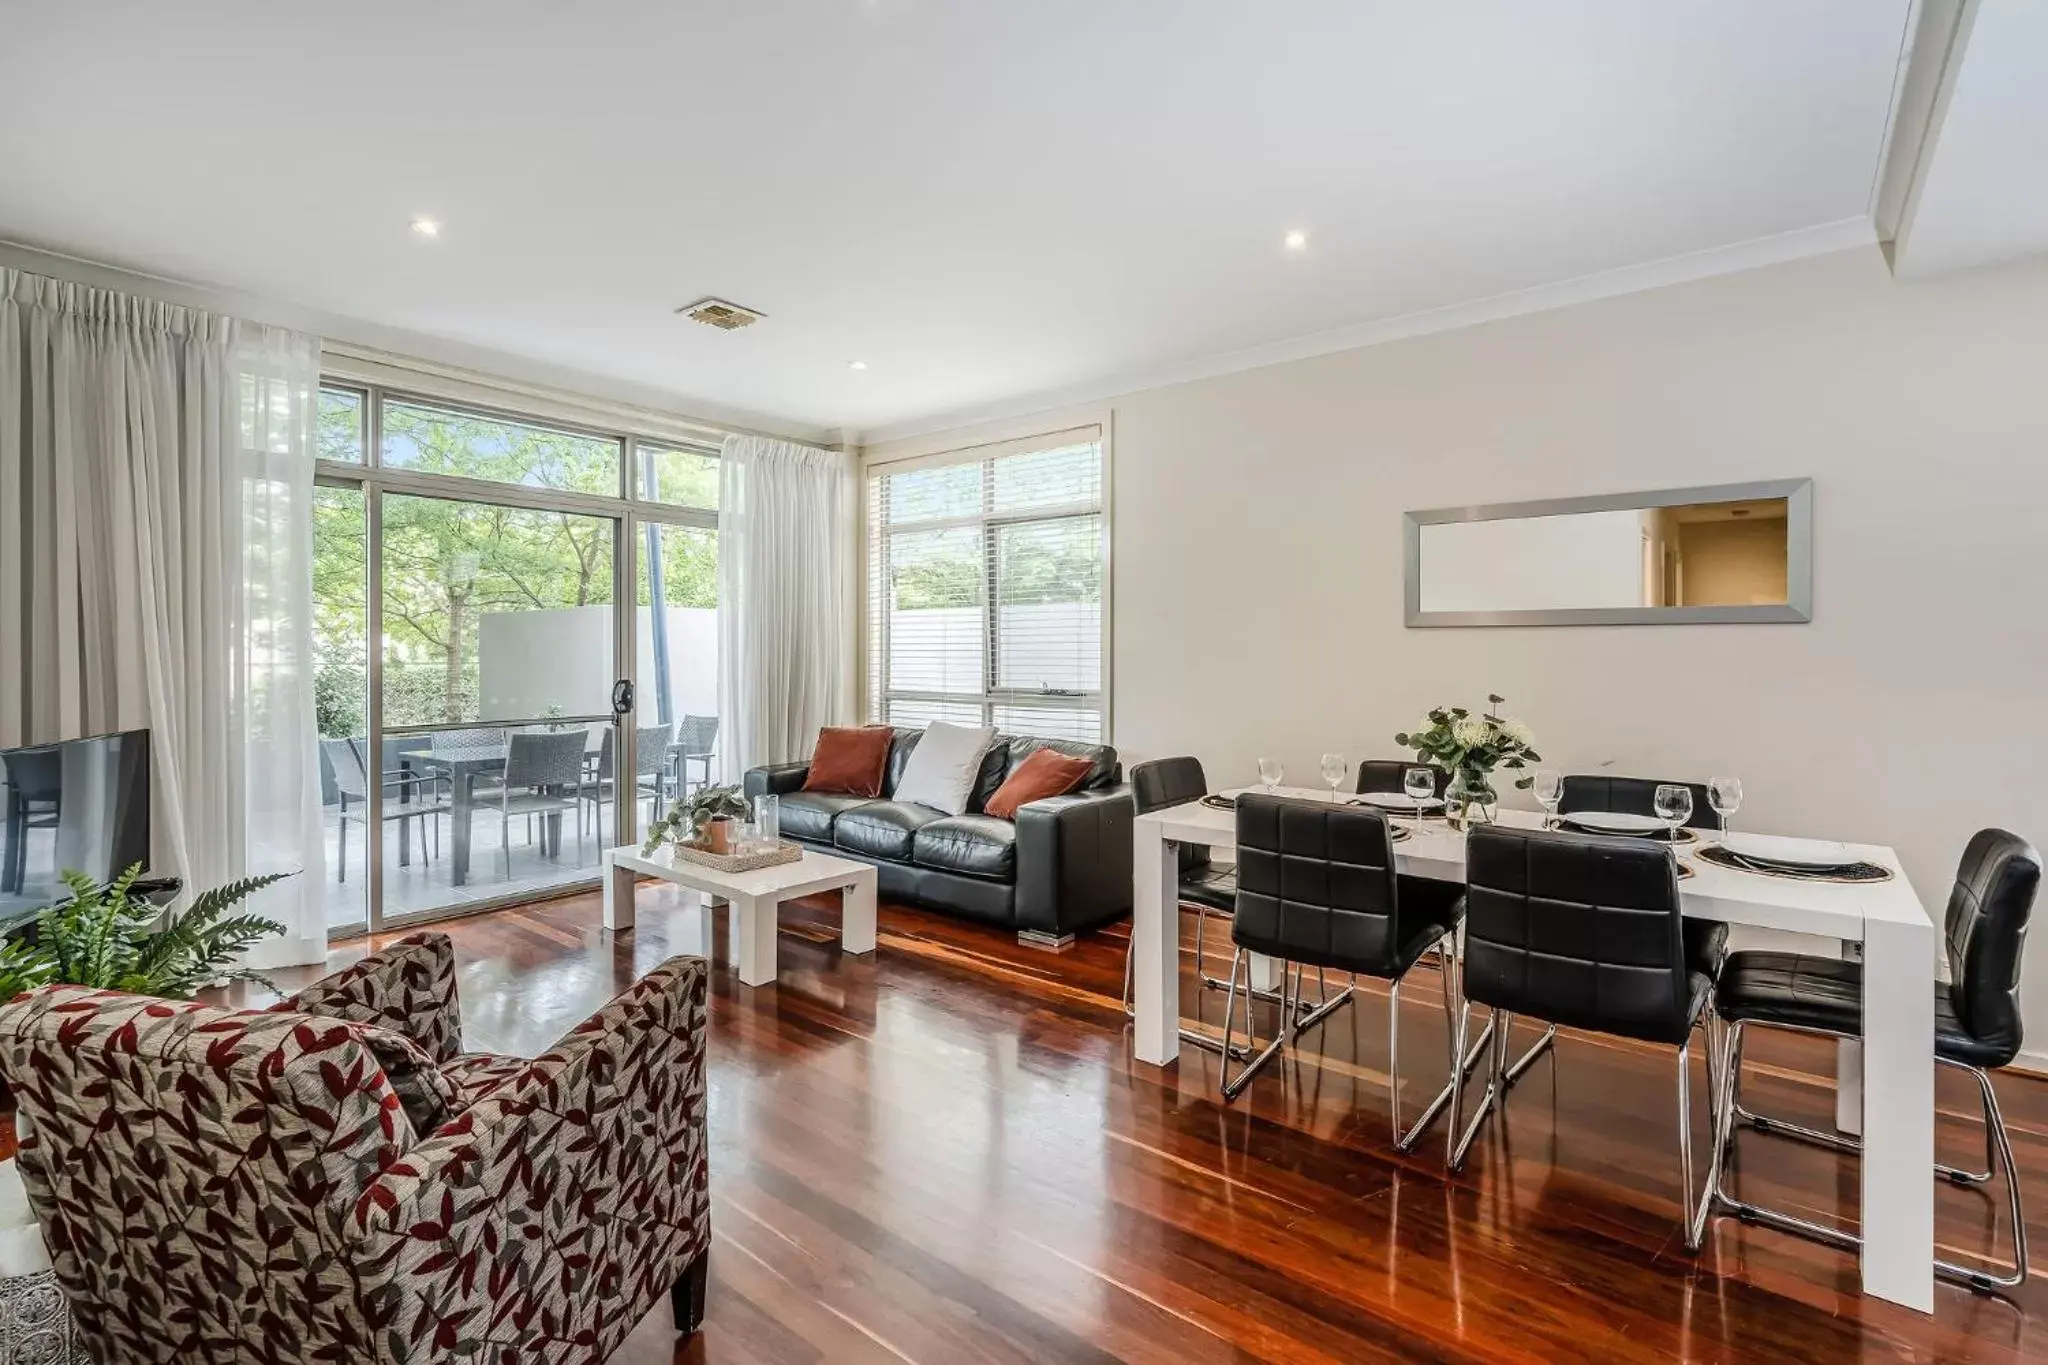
[1820,240]
[356,337]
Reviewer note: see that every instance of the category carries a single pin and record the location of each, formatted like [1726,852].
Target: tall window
[985,588]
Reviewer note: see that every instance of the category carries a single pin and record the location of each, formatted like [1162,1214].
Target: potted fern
[109,938]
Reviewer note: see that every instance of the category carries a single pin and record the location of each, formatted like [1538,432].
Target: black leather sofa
[1063,866]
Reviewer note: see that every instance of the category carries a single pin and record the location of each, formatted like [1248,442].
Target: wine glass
[1420,784]
[1270,773]
[1334,770]
[1724,794]
[1673,804]
[1549,787]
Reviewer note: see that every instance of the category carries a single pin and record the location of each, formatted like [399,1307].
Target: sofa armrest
[592,1158]
[1074,860]
[776,779]
[408,987]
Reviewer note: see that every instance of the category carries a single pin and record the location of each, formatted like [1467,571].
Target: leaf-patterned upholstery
[238,1186]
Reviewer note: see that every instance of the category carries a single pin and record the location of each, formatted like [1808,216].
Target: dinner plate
[1777,850]
[1614,822]
[1396,801]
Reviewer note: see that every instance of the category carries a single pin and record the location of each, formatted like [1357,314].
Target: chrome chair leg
[1765,1123]
[1496,1087]
[1233,1086]
[1983,1279]
[1699,1205]
[1326,1004]
[1980,1279]
[1454,1031]
[1529,1058]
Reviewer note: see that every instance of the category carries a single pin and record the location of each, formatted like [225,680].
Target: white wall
[1257,591]
[531,661]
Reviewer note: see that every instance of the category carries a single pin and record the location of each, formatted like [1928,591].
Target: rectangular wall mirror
[1678,556]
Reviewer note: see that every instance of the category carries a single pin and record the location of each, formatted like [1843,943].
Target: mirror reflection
[1716,554]
[1615,559]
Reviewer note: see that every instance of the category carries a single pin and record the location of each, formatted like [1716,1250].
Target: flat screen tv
[82,805]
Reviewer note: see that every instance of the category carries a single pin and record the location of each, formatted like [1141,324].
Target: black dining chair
[1317,888]
[1390,775]
[1706,940]
[1584,931]
[1209,888]
[1977,1029]
[1157,784]
[1631,796]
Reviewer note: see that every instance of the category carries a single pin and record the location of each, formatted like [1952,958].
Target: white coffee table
[753,897]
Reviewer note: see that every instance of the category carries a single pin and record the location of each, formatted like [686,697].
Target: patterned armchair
[333,1180]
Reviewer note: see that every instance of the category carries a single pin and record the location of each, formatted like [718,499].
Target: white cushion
[943,766]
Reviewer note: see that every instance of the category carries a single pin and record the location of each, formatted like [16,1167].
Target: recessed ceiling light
[856,364]
[1295,241]
[426,227]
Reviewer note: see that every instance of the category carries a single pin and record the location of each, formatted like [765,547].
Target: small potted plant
[705,819]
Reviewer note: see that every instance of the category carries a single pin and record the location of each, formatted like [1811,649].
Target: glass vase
[1470,799]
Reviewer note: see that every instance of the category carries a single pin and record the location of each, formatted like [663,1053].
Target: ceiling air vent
[727,317]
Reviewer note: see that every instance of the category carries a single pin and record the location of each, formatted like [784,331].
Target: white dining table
[1888,1077]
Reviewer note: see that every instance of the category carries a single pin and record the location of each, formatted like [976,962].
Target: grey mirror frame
[1798,606]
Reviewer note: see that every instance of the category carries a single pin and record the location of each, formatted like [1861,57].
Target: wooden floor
[944,1153]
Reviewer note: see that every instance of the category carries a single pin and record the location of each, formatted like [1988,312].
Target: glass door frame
[628,513]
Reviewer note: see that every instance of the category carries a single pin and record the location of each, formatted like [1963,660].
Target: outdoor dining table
[463,766]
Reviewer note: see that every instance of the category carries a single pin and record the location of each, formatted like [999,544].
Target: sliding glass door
[498,754]
[488,747]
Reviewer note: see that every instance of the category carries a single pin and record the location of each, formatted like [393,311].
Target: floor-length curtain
[156,469]
[786,518]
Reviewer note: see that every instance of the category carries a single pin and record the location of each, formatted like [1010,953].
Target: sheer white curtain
[156,484]
[786,517]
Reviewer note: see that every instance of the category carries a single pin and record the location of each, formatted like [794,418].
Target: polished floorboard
[943,1153]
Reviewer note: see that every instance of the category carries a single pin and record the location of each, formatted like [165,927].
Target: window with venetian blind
[985,588]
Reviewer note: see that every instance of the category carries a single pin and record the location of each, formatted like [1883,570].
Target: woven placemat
[740,862]
[1218,801]
[1853,872]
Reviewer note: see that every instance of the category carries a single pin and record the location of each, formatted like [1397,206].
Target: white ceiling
[981,200]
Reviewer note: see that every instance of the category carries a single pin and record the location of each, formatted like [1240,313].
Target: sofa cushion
[943,767]
[973,845]
[1102,764]
[995,766]
[428,1098]
[849,760]
[809,815]
[1043,773]
[882,829]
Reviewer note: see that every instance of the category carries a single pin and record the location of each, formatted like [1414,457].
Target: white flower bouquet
[1470,747]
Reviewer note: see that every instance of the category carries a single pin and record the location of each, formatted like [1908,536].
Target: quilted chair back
[194,1169]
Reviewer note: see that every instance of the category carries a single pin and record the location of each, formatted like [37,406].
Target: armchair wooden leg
[687,1297]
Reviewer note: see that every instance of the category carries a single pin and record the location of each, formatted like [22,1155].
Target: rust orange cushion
[849,760]
[1043,773]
